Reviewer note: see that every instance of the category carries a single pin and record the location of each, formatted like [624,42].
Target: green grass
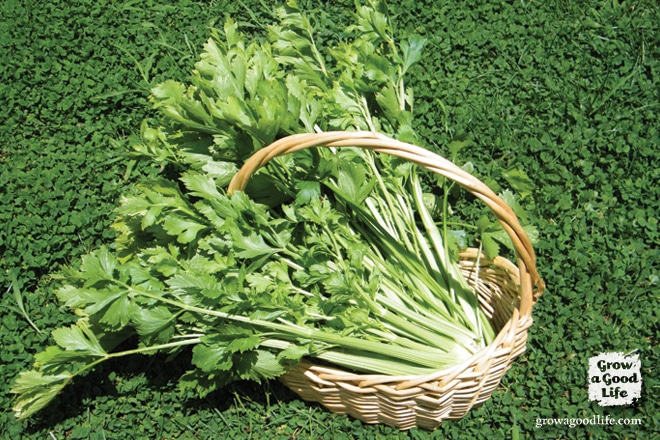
[566,90]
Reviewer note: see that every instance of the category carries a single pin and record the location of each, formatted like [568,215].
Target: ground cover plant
[565,91]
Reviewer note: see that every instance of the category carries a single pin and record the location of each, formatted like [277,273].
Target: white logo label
[614,379]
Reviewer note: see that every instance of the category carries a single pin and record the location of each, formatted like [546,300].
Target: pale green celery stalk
[374,363]
[441,333]
[391,206]
[385,225]
[441,329]
[414,269]
[401,220]
[411,289]
[449,293]
[292,264]
[424,287]
[429,253]
[359,361]
[422,247]
[422,337]
[411,326]
[364,109]
[417,244]
[458,286]
[412,329]
[430,358]
[417,301]
[434,235]
[426,314]
[445,211]
[405,322]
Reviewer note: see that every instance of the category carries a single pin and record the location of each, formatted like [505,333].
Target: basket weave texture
[506,292]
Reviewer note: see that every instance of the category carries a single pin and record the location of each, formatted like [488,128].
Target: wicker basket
[506,292]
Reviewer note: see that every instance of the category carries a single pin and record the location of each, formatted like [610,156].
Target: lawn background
[568,91]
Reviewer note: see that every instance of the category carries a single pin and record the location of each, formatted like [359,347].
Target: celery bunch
[330,254]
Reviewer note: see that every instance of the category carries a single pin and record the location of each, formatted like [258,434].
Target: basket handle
[531,283]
